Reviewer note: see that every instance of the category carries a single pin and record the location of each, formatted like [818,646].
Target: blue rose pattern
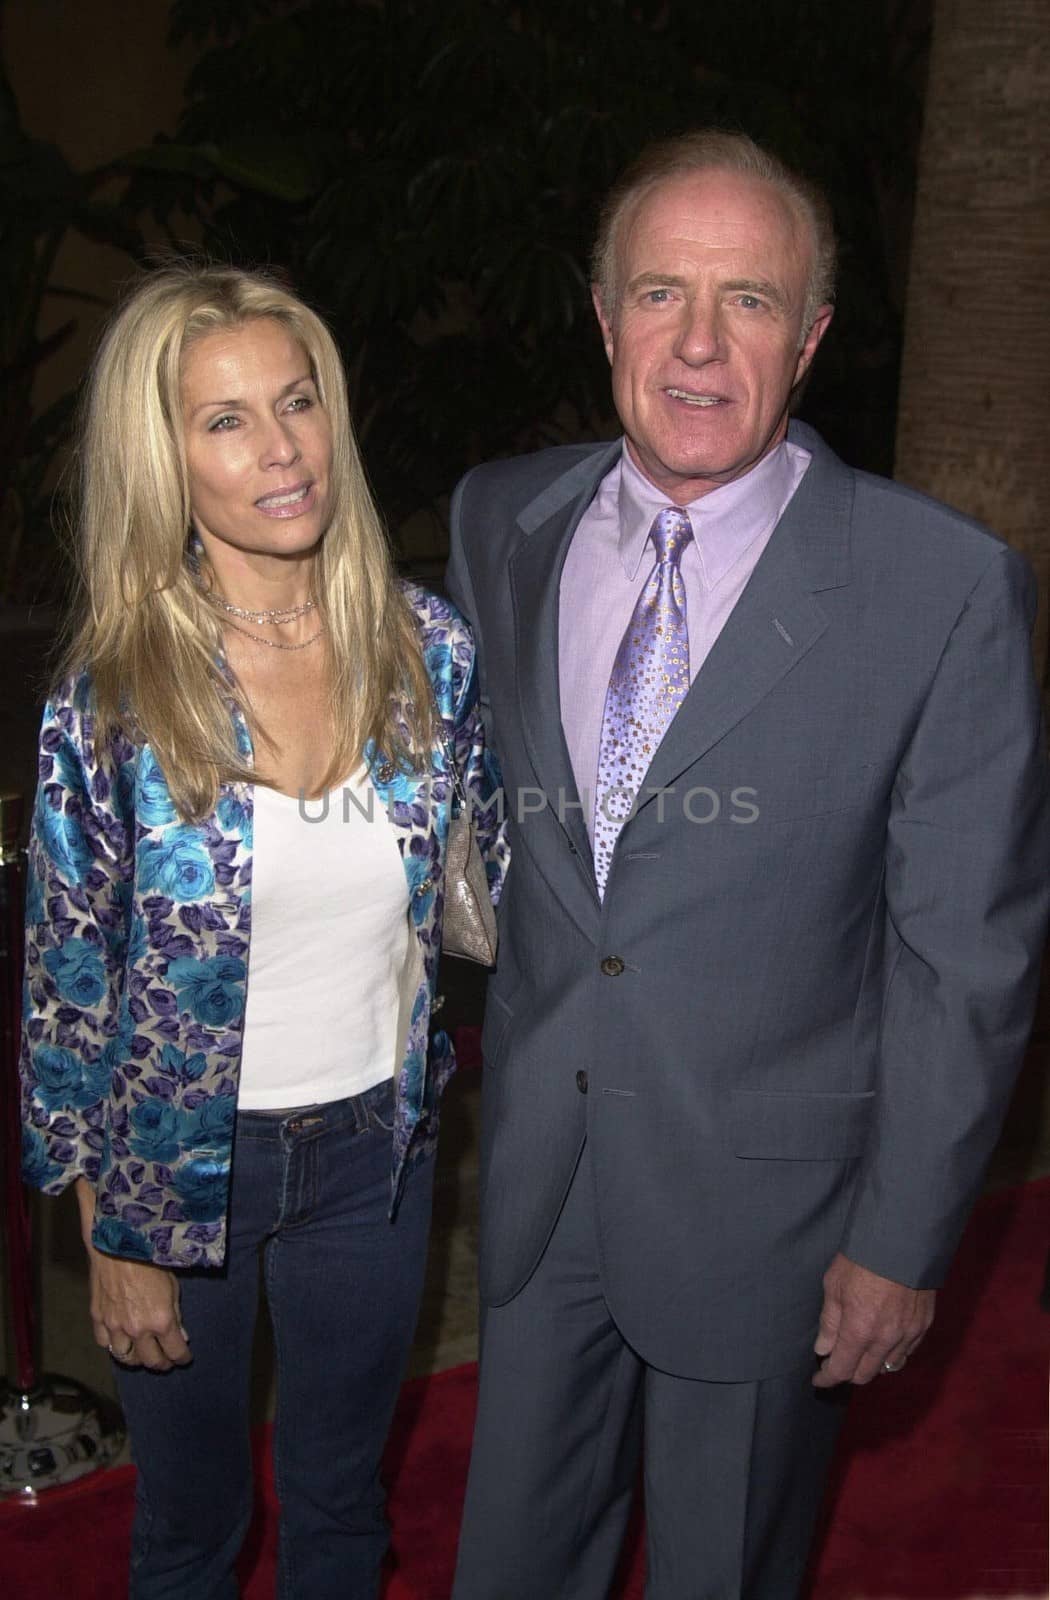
[38,1168]
[185,1068]
[210,1125]
[78,970]
[125,900]
[201,1186]
[61,836]
[212,990]
[177,864]
[118,1238]
[153,804]
[60,1077]
[155,1130]
[34,902]
[234,817]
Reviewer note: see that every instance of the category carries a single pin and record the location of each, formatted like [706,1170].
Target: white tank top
[329,935]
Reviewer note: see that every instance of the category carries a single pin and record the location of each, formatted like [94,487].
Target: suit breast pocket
[817,795]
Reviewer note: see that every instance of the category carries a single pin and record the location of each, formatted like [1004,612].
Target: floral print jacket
[138,930]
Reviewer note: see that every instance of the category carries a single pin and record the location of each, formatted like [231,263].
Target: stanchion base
[53,1434]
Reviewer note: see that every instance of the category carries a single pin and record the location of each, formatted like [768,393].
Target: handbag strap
[450,754]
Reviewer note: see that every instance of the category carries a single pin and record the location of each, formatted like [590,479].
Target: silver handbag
[469,926]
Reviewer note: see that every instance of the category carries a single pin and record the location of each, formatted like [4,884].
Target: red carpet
[940,1490]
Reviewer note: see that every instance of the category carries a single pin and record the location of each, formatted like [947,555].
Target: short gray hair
[713,149]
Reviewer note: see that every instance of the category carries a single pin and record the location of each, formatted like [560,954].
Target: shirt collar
[725,521]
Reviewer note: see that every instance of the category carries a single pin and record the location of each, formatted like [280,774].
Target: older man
[778,803]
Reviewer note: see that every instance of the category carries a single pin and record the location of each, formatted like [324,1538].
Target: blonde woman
[235,923]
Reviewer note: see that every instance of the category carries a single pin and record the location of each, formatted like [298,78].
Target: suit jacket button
[581,1082]
[612,966]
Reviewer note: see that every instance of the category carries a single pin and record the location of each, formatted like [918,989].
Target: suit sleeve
[457,574]
[460,589]
[966,887]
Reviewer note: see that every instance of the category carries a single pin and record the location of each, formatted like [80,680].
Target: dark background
[427,173]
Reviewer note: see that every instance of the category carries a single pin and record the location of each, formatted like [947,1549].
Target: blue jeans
[311,1190]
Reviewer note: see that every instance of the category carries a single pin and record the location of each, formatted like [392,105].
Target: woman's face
[258,442]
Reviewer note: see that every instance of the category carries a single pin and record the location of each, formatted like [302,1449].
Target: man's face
[705,342]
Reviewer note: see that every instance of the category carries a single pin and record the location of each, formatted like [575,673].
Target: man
[769,945]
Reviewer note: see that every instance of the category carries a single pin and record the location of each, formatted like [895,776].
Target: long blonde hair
[149,640]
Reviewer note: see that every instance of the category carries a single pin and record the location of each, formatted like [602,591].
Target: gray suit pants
[733,1472]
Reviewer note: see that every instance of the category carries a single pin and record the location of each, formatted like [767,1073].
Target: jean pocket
[381,1106]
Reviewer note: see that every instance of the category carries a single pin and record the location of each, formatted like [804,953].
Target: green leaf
[185,160]
[280,168]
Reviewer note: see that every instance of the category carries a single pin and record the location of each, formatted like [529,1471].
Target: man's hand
[134,1306]
[865,1321]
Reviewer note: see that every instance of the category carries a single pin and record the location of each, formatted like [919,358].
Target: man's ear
[603,321]
[817,329]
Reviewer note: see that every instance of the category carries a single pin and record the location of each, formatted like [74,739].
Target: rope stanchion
[53,1430]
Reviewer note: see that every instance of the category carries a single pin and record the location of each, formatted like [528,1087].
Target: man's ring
[887,1366]
[126,1354]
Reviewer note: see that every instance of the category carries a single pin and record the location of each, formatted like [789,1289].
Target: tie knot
[671,532]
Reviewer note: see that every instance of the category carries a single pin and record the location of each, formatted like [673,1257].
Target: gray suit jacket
[800,1019]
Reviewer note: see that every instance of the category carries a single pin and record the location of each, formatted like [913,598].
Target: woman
[235,924]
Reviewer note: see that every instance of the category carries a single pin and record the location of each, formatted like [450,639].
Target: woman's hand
[134,1306]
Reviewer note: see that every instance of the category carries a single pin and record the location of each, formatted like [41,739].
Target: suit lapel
[549,523]
[774,624]
[776,621]
[535,574]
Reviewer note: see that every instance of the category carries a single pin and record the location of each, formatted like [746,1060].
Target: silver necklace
[275,644]
[278,616]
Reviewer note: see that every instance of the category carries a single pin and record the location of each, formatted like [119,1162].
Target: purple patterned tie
[649,681]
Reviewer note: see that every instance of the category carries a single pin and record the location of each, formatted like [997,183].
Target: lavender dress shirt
[604,573]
